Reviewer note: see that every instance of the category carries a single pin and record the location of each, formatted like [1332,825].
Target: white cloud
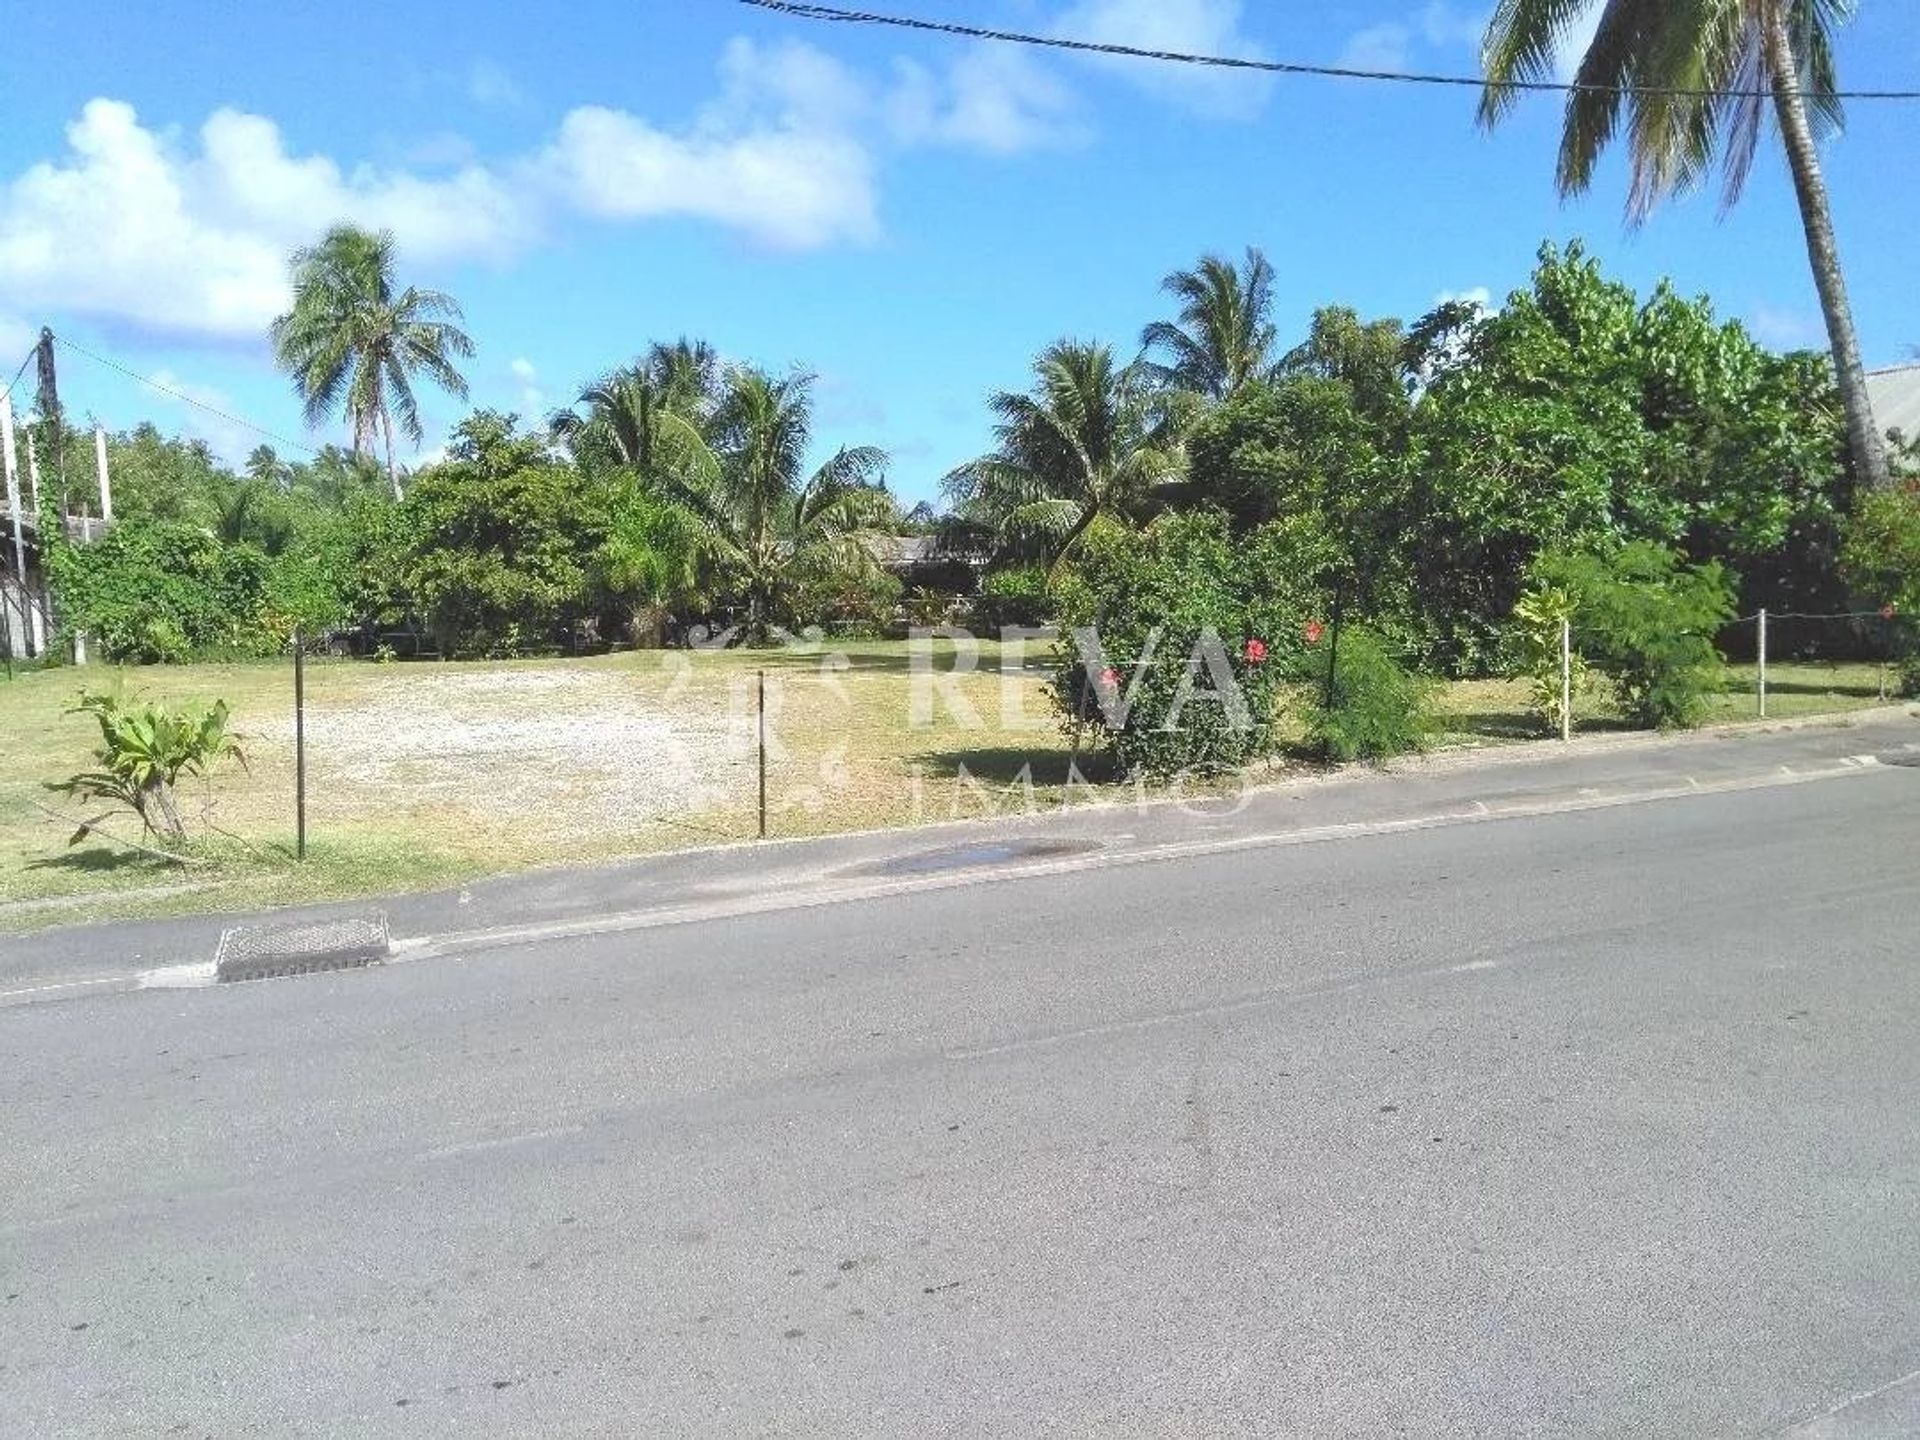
[1379,47]
[1479,295]
[787,189]
[994,98]
[1190,27]
[532,405]
[136,227]
[1399,45]
[187,233]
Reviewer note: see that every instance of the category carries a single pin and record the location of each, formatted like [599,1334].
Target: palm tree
[1225,335]
[1694,79]
[351,342]
[766,522]
[660,400]
[651,562]
[1092,439]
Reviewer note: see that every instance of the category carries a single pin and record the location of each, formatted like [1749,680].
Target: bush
[1881,557]
[144,751]
[159,591]
[1190,635]
[1376,708]
[1534,638]
[1646,622]
[1010,597]
[859,604]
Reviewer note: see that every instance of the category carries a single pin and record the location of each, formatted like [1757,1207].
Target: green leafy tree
[498,542]
[1691,82]
[1224,337]
[1198,629]
[1092,439]
[355,342]
[1579,418]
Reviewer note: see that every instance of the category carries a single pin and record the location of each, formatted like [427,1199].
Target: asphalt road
[1601,1123]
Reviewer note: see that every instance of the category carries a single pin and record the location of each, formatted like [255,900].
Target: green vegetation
[1256,555]
[144,751]
[427,775]
[1647,623]
[1694,81]
[355,342]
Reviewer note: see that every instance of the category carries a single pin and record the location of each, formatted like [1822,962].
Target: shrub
[1196,632]
[1647,622]
[1014,596]
[1535,639]
[1375,708]
[144,750]
[156,591]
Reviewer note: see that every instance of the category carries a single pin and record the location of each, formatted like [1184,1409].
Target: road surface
[1582,1124]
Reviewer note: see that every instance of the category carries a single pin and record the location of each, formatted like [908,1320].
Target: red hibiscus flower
[1314,631]
[1256,651]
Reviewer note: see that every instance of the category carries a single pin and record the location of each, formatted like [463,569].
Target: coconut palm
[651,563]
[662,399]
[1225,334]
[766,523]
[355,342]
[1092,439]
[1691,81]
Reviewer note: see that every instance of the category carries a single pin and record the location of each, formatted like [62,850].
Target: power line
[835,15]
[153,384]
[8,390]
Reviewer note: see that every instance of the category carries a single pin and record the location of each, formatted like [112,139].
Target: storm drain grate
[268,952]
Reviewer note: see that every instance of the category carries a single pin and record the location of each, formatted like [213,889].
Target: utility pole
[100,464]
[10,460]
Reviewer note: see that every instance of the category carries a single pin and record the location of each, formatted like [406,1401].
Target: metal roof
[1895,393]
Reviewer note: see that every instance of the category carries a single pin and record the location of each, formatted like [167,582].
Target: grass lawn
[426,774]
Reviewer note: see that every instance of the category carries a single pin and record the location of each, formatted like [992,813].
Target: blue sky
[910,217]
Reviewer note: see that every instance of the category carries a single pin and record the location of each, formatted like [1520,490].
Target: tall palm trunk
[1816,216]
[393,473]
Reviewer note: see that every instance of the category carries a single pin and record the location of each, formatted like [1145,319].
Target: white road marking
[63,985]
[1830,1423]
[474,1147]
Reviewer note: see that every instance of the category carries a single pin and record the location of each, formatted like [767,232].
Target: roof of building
[1895,393]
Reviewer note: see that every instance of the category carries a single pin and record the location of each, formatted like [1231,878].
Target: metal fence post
[1566,679]
[1763,663]
[299,745]
[763,753]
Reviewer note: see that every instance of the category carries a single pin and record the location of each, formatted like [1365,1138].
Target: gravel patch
[541,747]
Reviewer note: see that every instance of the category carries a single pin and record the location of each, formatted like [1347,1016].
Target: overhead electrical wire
[184,399]
[833,14]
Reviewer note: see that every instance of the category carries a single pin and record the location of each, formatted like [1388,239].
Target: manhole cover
[983,855]
[267,952]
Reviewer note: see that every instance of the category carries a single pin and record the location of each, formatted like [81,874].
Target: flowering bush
[1177,640]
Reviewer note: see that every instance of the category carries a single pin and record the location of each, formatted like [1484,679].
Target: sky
[910,217]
